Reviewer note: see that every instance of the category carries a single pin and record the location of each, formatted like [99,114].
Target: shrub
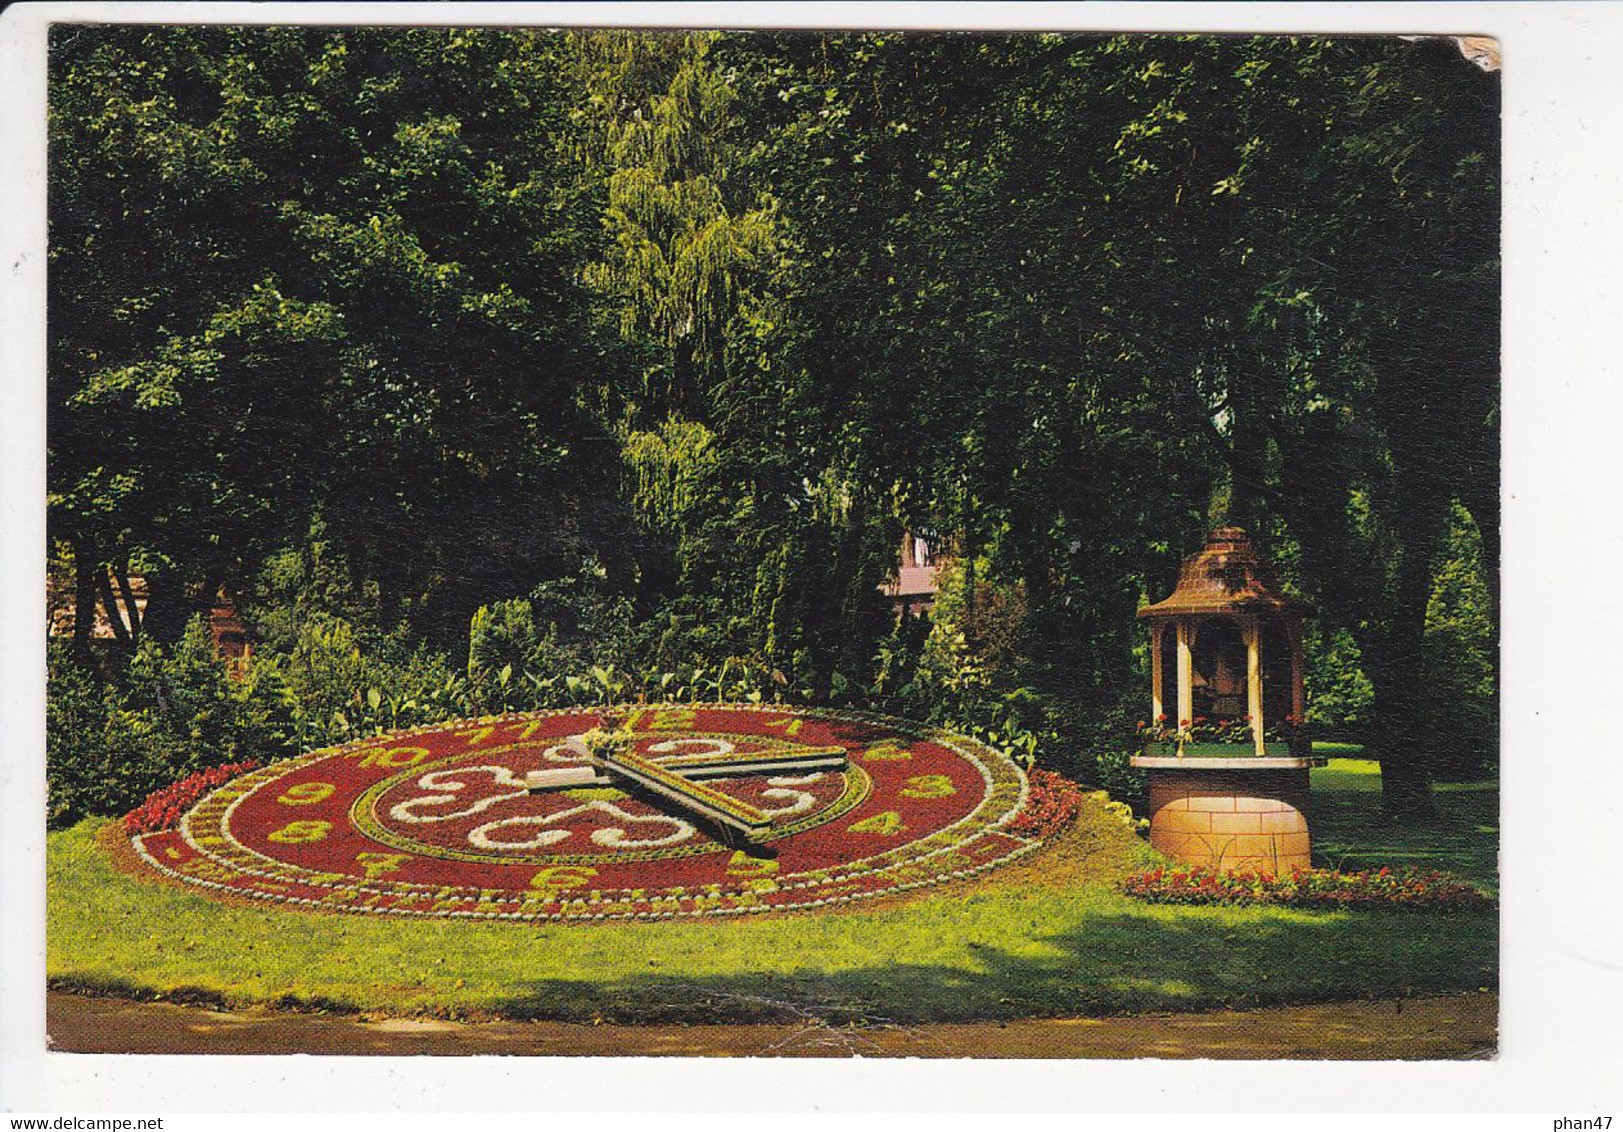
[1339,695]
[154,716]
[568,642]
[76,764]
[1100,747]
[1458,716]
[1306,888]
[312,581]
[1113,771]
[501,635]
[333,689]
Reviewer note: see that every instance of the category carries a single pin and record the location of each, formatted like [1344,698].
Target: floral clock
[701,810]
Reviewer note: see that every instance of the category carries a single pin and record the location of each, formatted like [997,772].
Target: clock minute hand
[699,767]
[756,762]
[676,778]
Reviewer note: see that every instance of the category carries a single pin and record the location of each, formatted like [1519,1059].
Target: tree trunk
[84,593]
[121,574]
[166,604]
[1248,444]
[1395,670]
[172,600]
[115,617]
[1482,501]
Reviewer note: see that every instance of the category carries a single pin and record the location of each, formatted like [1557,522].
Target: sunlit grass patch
[1348,752]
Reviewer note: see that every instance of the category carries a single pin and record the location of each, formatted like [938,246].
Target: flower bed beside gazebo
[1228,763]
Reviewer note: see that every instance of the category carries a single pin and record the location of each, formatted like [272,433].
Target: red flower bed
[163,808]
[1052,802]
[1307,888]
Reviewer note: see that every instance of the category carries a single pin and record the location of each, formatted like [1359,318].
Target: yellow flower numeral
[295,831]
[743,865]
[563,876]
[376,864]
[307,793]
[673,719]
[791,726]
[887,824]
[396,756]
[928,786]
[888,750]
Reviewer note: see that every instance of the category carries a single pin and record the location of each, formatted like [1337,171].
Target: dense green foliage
[498,369]
[171,711]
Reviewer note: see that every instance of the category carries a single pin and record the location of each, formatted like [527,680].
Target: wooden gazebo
[1228,773]
[1232,642]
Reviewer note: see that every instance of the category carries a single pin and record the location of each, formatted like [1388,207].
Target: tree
[1410,274]
[313,270]
[1103,284]
[763,532]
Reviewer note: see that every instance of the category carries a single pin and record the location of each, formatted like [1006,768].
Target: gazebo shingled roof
[1226,576]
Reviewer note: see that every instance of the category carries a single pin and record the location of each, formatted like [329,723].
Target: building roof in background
[912,581]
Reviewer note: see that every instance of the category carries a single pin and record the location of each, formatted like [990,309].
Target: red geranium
[1306,888]
[162,808]
[1052,802]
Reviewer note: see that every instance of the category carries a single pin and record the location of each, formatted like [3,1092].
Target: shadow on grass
[1349,833]
[204,998]
[1158,960]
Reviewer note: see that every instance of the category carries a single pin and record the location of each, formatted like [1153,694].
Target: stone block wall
[1232,820]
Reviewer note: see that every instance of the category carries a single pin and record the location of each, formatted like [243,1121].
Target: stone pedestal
[1254,818]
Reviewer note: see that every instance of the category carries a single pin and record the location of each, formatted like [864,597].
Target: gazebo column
[1157,687]
[1298,686]
[1186,676]
[1253,680]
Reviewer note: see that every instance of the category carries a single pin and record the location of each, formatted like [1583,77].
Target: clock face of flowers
[510,818]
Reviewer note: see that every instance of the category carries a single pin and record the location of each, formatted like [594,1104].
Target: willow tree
[763,531]
[690,243]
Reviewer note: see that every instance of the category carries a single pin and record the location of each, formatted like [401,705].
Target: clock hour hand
[677,778]
[695,797]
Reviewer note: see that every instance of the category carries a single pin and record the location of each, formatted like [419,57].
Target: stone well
[1252,819]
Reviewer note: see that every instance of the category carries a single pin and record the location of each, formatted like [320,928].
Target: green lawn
[1348,832]
[1341,751]
[1051,939]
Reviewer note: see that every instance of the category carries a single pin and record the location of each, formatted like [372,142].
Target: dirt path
[1436,1027]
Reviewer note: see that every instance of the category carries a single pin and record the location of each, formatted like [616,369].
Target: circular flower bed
[452,821]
